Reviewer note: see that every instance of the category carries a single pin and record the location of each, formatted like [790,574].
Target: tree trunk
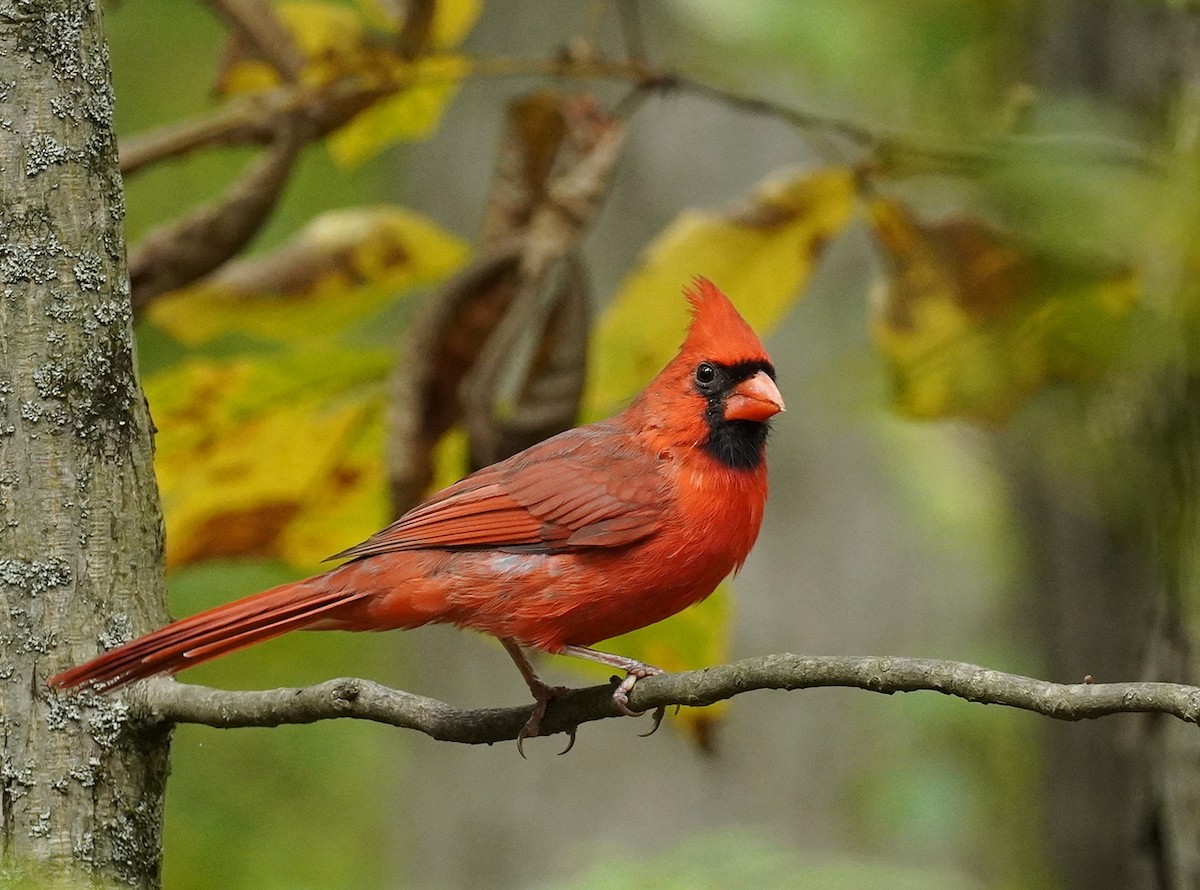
[1124,801]
[80,523]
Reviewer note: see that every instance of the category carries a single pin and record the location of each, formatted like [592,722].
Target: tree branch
[164,701]
[175,255]
[257,25]
[254,118]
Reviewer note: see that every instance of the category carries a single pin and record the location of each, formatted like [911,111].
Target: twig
[414,34]
[256,119]
[253,119]
[892,149]
[256,23]
[177,254]
[630,17]
[163,701]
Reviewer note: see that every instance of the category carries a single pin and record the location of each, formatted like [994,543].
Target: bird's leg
[634,671]
[542,695]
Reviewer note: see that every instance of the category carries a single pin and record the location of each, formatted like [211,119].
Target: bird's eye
[705,373]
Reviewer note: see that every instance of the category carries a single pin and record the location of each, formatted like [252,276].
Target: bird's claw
[621,694]
[543,695]
[571,743]
[659,713]
[522,736]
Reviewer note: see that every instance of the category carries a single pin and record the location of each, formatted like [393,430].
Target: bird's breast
[547,600]
[721,508]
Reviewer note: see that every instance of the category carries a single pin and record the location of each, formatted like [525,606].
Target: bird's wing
[594,486]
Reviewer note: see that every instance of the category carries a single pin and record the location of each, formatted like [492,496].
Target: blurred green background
[1017,548]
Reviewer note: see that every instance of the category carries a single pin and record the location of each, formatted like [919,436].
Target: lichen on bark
[80,524]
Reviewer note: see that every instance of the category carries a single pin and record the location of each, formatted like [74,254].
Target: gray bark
[80,524]
[158,701]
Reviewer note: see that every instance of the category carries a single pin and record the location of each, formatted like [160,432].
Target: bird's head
[719,392]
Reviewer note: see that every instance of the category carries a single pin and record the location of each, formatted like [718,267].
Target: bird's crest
[718,332]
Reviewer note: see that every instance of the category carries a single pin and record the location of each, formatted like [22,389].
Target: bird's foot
[634,670]
[542,696]
[637,671]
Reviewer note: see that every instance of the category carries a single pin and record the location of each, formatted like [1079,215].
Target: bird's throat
[738,444]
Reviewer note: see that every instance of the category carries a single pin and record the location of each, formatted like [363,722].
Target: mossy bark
[80,522]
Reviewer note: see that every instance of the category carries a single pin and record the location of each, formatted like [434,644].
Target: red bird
[590,534]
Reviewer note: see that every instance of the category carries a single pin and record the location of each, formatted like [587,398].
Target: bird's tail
[218,631]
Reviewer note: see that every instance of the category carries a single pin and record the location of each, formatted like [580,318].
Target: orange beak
[755,399]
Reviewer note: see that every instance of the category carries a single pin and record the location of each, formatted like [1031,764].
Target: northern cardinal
[593,533]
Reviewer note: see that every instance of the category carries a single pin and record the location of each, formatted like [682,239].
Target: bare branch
[160,701]
[418,23]
[914,152]
[177,254]
[255,118]
[255,23]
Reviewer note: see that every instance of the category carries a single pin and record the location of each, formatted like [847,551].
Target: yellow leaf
[264,458]
[322,29]
[336,43]
[413,113]
[330,38]
[972,324]
[349,501]
[279,452]
[452,19]
[249,76]
[450,456]
[340,267]
[760,253]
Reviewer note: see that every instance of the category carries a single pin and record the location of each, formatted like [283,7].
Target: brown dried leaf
[418,26]
[437,382]
[533,135]
[528,381]
[441,345]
